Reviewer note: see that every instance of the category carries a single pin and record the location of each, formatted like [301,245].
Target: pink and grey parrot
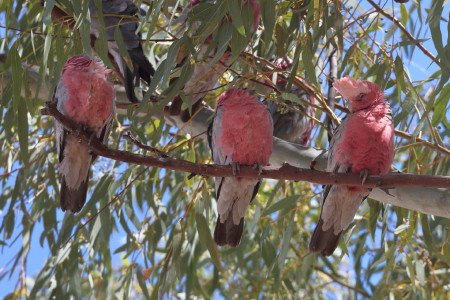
[364,144]
[289,124]
[239,134]
[123,13]
[84,95]
[205,75]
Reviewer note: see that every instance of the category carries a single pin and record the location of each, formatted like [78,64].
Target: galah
[363,144]
[239,134]
[123,14]
[288,123]
[205,75]
[85,95]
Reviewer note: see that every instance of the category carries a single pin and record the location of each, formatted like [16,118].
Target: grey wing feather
[335,141]
[216,130]
[59,96]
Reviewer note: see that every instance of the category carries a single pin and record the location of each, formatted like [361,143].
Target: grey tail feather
[73,200]
[324,242]
[129,85]
[228,233]
[144,67]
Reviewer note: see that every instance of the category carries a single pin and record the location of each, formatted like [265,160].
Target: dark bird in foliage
[123,14]
[289,123]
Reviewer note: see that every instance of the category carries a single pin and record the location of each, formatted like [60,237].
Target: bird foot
[363,175]
[91,138]
[258,167]
[236,168]
[87,130]
[79,130]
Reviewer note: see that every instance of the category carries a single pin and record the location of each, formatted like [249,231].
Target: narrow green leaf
[427,235]
[154,16]
[388,254]
[410,42]
[268,19]
[399,73]
[441,105]
[23,130]
[447,253]
[234,8]
[287,203]
[280,39]
[410,270]
[268,252]
[308,59]
[206,240]
[46,17]
[285,244]
[238,45]
[122,47]
[83,25]
[404,14]
[374,213]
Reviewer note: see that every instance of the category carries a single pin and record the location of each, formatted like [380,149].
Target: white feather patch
[76,163]
[350,88]
[235,197]
[340,207]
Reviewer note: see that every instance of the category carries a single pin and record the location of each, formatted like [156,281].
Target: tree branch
[405,31]
[286,172]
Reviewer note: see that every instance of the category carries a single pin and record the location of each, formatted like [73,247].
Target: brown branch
[405,31]
[286,172]
[340,282]
[153,150]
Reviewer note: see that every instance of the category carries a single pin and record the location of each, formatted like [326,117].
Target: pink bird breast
[368,142]
[90,93]
[368,139]
[247,128]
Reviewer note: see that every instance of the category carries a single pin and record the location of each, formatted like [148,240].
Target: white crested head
[350,88]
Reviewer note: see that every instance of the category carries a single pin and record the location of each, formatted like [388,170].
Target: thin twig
[131,138]
[405,31]
[338,281]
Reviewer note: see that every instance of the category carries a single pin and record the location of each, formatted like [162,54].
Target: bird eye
[361,96]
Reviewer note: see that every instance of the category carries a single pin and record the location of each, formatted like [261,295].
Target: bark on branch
[286,172]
